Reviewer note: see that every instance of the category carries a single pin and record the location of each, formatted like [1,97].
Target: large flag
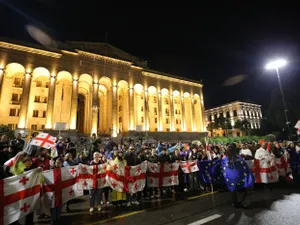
[210,171]
[237,175]
[162,174]
[131,179]
[44,140]
[60,185]
[92,177]
[282,164]
[265,171]
[189,166]
[19,196]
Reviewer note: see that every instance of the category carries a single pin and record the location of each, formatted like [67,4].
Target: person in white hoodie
[262,153]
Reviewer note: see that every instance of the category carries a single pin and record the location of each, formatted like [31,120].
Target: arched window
[227,114]
[234,113]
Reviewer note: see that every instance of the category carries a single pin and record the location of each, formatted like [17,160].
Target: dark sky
[209,44]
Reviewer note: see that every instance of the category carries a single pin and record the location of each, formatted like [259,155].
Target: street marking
[207,219]
[141,211]
[199,196]
[116,217]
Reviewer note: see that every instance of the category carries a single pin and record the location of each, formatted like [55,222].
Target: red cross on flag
[283,164]
[131,179]
[92,177]
[19,196]
[162,174]
[265,171]
[189,166]
[44,140]
[60,185]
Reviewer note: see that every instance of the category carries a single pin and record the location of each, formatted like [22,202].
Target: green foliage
[5,130]
[225,140]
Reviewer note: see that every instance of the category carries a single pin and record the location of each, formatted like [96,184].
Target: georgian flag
[60,185]
[19,196]
[162,174]
[130,179]
[189,166]
[265,171]
[92,177]
[283,164]
[44,140]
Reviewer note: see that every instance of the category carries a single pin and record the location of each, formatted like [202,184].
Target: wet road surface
[265,207]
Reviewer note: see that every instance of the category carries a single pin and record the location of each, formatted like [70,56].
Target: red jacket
[45,165]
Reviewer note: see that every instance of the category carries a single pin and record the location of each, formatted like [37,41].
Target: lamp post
[276,64]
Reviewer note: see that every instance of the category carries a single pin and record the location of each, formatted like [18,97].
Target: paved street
[266,207]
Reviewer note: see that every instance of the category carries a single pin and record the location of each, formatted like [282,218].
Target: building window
[37,98]
[120,108]
[13,112]
[234,113]
[15,97]
[155,120]
[167,112]
[142,97]
[238,134]
[209,118]
[257,125]
[142,119]
[39,83]
[167,121]
[168,129]
[166,101]
[178,121]
[155,111]
[47,85]
[227,114]
[120,119]
[12,126]
[142,108]
[156,129]
[18,82]
[45,99]
[35,113]
[154,99]
[120,97]
[43,127]
[33,127]
[44,114]
[177,130]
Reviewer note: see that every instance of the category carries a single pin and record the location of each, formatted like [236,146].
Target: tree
[211,126]
[243,125]
[7,131]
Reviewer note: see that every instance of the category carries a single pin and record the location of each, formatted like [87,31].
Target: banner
[19,196]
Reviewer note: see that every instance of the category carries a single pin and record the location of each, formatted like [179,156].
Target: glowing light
[276,64]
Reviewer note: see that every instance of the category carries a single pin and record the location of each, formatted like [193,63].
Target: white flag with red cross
[265,171]
[130,179]
[19,196]
[44,140]
[189,166]
[60,185]
[92,177]
[282,164]
[162,174]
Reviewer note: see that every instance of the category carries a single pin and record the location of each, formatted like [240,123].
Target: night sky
[208,44]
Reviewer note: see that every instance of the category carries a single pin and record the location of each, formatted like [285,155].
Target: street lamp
[276,64]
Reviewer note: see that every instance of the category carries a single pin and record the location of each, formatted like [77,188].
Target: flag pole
[62,98]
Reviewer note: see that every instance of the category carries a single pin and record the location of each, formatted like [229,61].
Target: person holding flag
[237,176]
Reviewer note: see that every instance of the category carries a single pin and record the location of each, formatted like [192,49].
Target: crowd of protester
[131,152]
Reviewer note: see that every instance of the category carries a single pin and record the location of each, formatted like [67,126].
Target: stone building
[236,111]
[93,88]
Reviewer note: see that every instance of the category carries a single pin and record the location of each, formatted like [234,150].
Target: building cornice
[172,79]
[69,53]
[102,57]
[29,50]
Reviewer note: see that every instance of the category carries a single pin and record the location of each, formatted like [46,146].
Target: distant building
[235,111]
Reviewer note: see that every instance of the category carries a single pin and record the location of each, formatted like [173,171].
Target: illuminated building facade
[236,111]
[93,88]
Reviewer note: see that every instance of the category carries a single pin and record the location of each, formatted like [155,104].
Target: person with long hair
[238,177]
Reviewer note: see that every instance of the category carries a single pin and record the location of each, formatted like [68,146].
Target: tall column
[114,131]
[95,108]
[131,110]
[25,101]
[146,122]
[172,127]
[202,116]
[74,103]
[193,119]
[50,104]
[183,115]
[2,74]
[159,113]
